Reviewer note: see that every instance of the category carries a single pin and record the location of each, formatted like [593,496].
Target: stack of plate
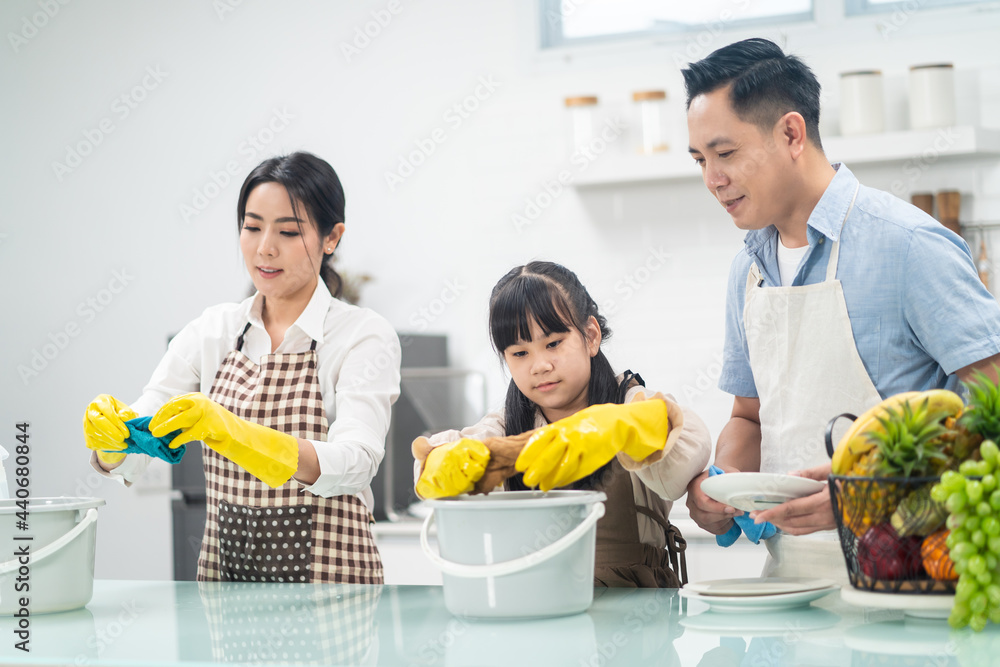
[758,595]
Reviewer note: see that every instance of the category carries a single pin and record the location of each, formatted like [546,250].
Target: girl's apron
[256,533]
[807,370]
[622,560]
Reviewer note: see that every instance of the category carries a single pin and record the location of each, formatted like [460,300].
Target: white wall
[223,76]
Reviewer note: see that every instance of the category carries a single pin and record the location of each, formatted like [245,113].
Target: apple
[883,554]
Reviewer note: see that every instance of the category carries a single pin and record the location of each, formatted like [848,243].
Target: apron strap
[831,265]
[239,341]
[623,387]
[676,544]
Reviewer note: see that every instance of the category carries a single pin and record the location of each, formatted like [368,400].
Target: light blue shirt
[917,307]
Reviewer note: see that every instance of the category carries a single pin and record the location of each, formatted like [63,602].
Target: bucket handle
[54,546]
[510,566]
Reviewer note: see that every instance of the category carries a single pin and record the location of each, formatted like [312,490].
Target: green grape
[991,562]
[994,545]
[963,551]
[989,483]
[977,564]
[989,451]
[979,538]
[972,523]
[993,593]
[990,525]
[952,481]
[984,579]
[956,501]
[965,589]
[960,536]
[974,491]
[994,614]
[939,494]
[960,566]
[984,509]
[959,616]
[969,468]
[955,521]
[978,622]
[978,603]
[995,500]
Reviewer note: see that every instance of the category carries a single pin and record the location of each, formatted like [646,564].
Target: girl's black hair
[311,182]
[553,297]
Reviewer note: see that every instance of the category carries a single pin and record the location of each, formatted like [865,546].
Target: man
[843,294]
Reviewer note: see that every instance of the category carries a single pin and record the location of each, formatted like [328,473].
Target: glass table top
[185,623]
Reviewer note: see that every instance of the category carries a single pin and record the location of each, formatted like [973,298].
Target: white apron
[807,369]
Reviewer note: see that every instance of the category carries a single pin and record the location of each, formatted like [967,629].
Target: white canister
[862,110]
[932,96]
[582,120]
[651,116]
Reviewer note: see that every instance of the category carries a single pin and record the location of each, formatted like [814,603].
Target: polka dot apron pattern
[256,533]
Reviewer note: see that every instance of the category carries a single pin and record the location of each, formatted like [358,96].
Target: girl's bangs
[525,299]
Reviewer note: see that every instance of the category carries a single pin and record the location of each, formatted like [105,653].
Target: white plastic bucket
[518,554]
[59,574]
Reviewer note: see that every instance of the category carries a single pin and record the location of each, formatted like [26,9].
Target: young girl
[548,330]
[279,390]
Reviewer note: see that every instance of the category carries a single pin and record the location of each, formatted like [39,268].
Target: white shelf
[927,145]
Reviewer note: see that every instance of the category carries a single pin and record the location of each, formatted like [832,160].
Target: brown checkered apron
[622,560]
[256,533]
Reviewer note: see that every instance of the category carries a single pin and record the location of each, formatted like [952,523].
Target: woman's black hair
[311,182]
[554,298]
[766,84]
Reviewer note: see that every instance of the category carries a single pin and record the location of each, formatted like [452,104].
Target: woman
[290,391]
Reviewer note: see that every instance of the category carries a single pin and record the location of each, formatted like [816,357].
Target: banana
[855,443]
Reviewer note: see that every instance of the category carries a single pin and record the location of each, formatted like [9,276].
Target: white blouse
[358,365]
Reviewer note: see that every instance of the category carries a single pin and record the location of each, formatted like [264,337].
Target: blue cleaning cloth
[755,532]
[141,441]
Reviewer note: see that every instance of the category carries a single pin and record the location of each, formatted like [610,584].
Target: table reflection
[308,624]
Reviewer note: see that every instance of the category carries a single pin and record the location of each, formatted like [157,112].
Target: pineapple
[919,514]
[982,416]
[909,443]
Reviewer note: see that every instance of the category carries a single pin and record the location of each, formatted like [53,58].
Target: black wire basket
[892,533]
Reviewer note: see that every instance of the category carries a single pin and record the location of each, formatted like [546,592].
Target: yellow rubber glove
[452,469]
[572,448]
[267,454]
[104,427]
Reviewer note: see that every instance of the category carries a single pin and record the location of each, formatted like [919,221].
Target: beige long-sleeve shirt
[655,484]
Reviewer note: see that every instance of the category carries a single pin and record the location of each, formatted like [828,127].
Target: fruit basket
[915,493]
[892,535]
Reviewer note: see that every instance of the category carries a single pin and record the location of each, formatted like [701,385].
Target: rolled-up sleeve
[669,476]
[490,426]
[177,373]
[366,387]
[737,376]
[954,317]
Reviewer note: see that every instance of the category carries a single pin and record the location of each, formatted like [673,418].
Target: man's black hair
[765,84]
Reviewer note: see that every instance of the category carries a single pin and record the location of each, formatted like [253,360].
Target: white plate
[750,491]
[757,586]
[774,623]
[919,606]
[741,604]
